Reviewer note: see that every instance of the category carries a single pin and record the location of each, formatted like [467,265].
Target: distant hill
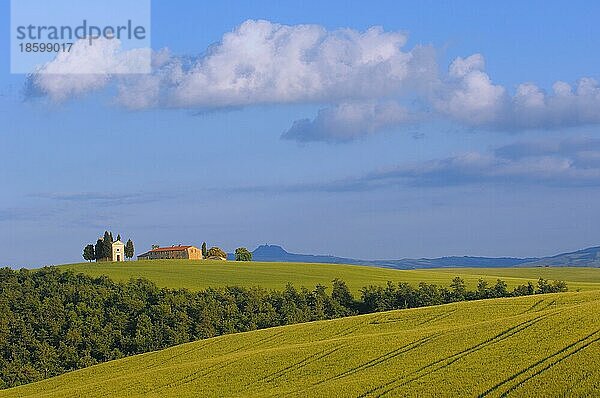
[455,261]
[279,254]
[589,257]
[582,258]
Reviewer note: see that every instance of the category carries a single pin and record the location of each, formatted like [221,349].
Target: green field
[545,345]
[196,275]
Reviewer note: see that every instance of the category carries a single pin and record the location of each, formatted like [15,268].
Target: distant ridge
[278,253]
[583,258]
[589,257]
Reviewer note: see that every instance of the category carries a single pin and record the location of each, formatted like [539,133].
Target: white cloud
[348,121]
[461,67]
[469,95]
[355,74]
[139,92]
[88,67]
[263,62]
[533,108]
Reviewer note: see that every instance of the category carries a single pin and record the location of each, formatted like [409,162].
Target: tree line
[54,321]
[102,250]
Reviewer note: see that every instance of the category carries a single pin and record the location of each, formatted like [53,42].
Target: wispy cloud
[20,214]
[104,198]
[567,163]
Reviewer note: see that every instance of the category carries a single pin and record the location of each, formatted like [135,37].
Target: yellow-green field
[197,275]
[545,345]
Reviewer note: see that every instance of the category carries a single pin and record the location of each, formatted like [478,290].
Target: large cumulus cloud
[363,81]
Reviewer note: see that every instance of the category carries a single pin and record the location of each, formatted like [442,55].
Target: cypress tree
[129,249]
[99,250]
[107,246]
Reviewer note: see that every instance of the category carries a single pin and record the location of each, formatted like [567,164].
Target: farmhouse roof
[170,249]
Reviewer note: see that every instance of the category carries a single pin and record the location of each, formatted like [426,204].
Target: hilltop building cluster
[108,249]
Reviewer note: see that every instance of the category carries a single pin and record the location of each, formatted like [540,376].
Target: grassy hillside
[529,346]
[196,275]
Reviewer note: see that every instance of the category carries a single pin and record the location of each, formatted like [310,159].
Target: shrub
[216,252]
[242,254]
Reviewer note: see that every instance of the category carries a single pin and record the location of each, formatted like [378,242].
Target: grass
[196,275]
[545,345]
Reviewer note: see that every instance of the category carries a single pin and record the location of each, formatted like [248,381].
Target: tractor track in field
[376,361]
[543,364]
[350,330]
[297,365]
[437,318]
[194,349]
[530,309]
[440,364]
[193,376]
[215,367]
[384,358]
[256,343]
[400,319]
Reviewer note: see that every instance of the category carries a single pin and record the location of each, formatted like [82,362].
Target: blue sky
[473,150]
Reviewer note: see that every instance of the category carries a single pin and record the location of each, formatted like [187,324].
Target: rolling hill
[279,254]
[589,257]
[275,253]
[490,348]
[196,275]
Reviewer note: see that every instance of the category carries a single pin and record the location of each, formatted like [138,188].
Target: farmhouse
[172,252]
